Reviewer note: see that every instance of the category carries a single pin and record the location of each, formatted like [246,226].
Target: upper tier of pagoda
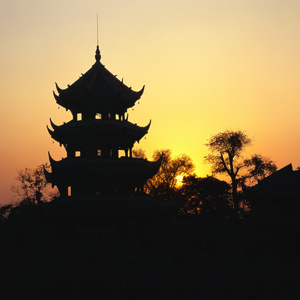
[97,91]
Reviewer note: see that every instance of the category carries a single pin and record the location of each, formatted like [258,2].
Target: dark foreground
[173,259]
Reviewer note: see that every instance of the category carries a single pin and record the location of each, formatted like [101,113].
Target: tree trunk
[235,196]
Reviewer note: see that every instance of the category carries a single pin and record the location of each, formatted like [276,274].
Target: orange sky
[207,65]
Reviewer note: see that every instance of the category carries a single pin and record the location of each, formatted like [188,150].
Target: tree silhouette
[163,184]
[5,211]
[259,167]
[226,157]
[138,153]
[32,185]
[206,196]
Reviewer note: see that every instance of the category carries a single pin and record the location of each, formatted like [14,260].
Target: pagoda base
[105,210]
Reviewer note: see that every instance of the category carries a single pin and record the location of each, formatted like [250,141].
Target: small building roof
[285,182]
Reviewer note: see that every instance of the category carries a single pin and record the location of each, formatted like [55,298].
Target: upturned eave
[97,90]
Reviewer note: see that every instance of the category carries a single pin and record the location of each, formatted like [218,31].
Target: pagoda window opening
[69,191]
[98,116]
[77,153]
[79,117]
[121,153]
[99,152]
[128,152]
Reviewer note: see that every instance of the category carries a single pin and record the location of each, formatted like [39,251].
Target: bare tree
[226,157]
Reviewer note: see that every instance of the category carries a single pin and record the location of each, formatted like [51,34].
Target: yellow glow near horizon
[179,180]
[207,65]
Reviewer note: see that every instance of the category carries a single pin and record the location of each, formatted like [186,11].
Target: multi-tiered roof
[99,139]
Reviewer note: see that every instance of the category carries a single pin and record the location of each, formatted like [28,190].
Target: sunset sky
[208,66]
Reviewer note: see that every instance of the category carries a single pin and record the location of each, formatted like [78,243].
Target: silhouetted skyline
[208,66]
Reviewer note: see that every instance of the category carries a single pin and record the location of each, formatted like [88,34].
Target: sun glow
[221,66]
[179,180]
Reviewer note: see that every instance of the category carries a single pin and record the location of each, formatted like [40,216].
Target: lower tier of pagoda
[79,177]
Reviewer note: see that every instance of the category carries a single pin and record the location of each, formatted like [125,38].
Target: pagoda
[99,176]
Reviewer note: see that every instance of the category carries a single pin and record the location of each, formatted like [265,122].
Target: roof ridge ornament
[98,55]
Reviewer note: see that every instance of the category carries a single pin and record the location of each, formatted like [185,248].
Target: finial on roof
[98,55]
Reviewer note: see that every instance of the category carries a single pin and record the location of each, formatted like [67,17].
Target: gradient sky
[207,65]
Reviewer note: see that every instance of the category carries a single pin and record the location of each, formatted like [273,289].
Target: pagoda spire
[98,55]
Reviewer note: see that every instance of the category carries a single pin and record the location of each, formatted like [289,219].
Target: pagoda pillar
[74,116]
[126,152]
[70,152]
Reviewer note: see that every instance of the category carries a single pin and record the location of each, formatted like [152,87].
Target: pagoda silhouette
[100,178]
